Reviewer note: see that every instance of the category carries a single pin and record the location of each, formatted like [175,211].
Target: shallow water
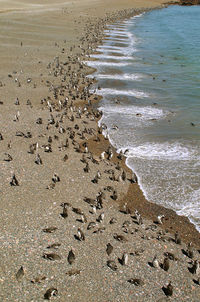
[149,72]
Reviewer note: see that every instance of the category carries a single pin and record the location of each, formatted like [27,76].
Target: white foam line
[117,49]
[135,93]
[118,42]
[102,63]
[107,57]
[116,33]
[112,38]
[120,77]
[110,50]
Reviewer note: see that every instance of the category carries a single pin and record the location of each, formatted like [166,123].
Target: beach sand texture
[51,142]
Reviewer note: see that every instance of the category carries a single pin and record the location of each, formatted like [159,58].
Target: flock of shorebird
[62,108]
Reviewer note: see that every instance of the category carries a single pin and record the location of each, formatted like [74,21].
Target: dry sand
[42,46]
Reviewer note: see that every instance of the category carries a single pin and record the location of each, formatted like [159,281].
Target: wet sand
[51,142]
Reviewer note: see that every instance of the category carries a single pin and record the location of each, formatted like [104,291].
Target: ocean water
[148,70]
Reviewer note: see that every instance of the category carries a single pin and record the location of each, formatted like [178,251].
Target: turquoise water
[148,68]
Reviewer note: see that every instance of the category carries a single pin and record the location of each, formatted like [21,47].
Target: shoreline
[172,222]
[51,142]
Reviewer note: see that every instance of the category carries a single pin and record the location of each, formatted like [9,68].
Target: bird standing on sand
[195,269]
[80,235]
[159,219]
[109,249]
[14,181]
[20,273]
[177,238]
[71,257]
[168,290]
[124,260]
[165,265]
[155,262]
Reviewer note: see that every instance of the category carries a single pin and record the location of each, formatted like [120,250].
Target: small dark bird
[80,235]
[50,293]
[114,196]
[77,211]
[55,178]
[50,229]
[39,121]
[124,259]
[113,220]
[1,137]
[8,157]
[38,279]
[51,256]
[71,257]
[195,269]
[65,158]
[168,290]
[38,160]
[165,264]
[101,217]
[136,281]
[177,238]
[134,179]
[111,264]
[19,275]
[86,169]
[190,252]
[120,237]
[54,246]
[65,212]
[123,176]
[14,181]
[109,249]
[91,225]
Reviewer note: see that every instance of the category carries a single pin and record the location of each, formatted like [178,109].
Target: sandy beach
[75,226]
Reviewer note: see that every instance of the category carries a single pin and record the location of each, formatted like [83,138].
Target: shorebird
[190,252]
[17,102]
[8,157]
[114,196]
[65,212]
[168,290]
[55,178]
[155,262]
[134,178]
[38,160]
[50,293]
[91,225]
[87,168]
[177,238]
[51,256]
[124,260]
[159,219]
[195,269]
[101,217]
[20,273]
[111,264]
[80,235]
[136,281]
[71,257]
[165,264]
[14,181]
[109,249]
